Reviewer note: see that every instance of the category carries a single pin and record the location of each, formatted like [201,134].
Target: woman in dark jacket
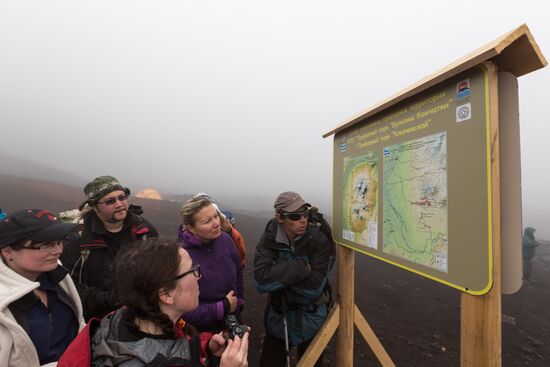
[157,282]
[221,283]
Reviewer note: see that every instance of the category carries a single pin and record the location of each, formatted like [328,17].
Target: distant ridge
[24,168]
[22,192]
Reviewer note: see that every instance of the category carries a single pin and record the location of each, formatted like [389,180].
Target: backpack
[76,216]
[71,216]
[315,217]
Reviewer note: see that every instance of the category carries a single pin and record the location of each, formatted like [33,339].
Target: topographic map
[415,201]
[360,212]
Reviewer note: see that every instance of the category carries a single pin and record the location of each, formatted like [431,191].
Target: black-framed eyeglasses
[43,245]
[297,216]
[195,269]
[112,201]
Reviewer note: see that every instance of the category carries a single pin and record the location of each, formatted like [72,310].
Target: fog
[232,97]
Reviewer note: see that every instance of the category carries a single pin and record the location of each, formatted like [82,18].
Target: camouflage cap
[99,187]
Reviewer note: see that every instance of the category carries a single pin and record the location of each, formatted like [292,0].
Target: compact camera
[233,327]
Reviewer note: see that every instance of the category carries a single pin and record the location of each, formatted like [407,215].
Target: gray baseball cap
[288,202]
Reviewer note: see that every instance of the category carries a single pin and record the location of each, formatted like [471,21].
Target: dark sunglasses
[112,201]
[297,216]
[43,245]
[195,269]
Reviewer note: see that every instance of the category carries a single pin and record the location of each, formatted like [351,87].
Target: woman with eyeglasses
[291,263]
[157,282]
[40,311]
[221,283]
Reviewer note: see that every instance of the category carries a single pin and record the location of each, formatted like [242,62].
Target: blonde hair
[226,226]
[192,207]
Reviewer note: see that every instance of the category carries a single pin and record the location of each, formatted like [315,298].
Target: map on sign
[361,199]
[415,224]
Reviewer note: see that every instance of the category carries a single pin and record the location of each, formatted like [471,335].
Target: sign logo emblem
[342,146]
[463,89]
[464,112]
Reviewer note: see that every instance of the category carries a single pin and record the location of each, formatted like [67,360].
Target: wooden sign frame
[515,52]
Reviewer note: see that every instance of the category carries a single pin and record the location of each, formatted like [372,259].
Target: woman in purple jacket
[221,283]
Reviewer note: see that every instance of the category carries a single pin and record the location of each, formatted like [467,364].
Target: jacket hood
[13,286]
[270,231]
[110,348]
[186,239]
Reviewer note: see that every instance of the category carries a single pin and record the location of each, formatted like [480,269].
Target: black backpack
[316,218]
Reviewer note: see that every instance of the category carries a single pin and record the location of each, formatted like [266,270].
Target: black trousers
[274,354]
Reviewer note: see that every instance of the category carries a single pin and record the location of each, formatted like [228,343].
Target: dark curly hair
[141,271]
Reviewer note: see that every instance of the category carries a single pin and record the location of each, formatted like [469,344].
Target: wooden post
[345,298]
[480,316]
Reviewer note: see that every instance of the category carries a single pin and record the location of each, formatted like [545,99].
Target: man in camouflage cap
[109,224]
[99,187]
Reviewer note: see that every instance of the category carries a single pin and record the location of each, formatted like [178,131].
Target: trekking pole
[287,349]
[285,326]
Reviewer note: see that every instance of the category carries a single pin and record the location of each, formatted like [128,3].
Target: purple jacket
[221,272]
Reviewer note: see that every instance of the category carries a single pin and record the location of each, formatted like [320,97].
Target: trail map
[415,201]
[361,199]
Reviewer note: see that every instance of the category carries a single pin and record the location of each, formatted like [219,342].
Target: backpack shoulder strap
[316,217]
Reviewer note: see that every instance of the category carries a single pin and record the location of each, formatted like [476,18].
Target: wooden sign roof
[515,52]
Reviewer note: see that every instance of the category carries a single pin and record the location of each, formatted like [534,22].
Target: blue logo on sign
[343,146]
[387,152]
[463,89]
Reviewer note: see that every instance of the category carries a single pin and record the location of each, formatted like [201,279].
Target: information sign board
[412,183]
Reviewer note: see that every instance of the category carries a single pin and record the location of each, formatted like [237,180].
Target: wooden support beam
[345,298]
[371,339]
[480,316]
[323,336]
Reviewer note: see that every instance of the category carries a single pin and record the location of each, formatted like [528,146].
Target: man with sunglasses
[109,224]
[291,263]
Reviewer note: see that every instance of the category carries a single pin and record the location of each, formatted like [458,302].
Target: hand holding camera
[233,327]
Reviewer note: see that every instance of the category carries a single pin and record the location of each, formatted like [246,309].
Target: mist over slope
[251,203]
[24,168]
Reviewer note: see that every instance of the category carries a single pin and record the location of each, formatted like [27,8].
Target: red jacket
[239,244]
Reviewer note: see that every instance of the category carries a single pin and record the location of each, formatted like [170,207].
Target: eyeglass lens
[296,216]
[195,269]
[112,201]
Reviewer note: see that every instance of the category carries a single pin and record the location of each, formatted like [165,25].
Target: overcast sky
[233,96]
